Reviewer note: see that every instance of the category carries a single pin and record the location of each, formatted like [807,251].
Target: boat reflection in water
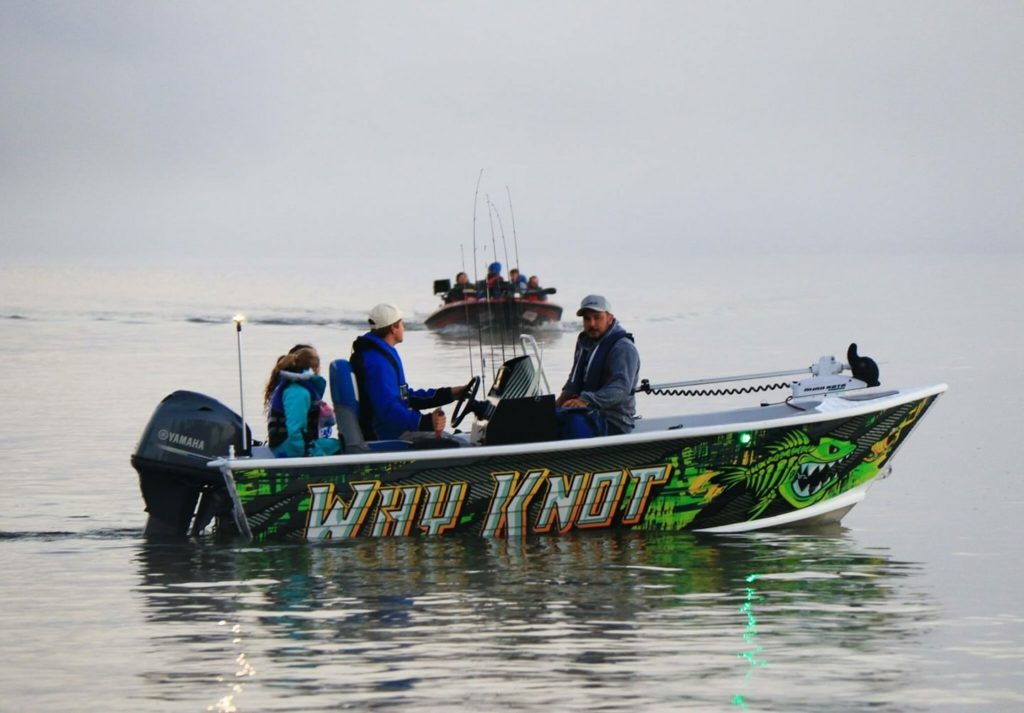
[583,621]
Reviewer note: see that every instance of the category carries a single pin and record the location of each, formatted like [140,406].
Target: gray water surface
[911,605]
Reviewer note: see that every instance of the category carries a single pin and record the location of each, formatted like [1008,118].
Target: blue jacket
[387,406]
[608,375]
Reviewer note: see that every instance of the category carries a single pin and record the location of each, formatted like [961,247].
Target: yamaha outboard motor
[185,433]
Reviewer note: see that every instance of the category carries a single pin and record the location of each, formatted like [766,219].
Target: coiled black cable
[645,387]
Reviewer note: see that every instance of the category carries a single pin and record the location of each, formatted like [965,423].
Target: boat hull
[753,476]
[502,314]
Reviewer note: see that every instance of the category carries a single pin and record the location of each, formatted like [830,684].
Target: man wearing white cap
[605,369]
[387,406]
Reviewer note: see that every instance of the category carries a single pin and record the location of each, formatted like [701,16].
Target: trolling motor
[863,368]
[826,378]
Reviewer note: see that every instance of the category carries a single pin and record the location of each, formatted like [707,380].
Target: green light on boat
[744,438]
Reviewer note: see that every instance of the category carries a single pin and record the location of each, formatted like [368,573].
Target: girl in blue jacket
[296,412]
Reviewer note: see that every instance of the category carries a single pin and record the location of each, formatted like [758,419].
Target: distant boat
[507,311]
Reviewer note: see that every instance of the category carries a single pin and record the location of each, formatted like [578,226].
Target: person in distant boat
[387,406]
[605,369]
[493,284]
[516,282]
[534,292]
[299,421]
[461,290]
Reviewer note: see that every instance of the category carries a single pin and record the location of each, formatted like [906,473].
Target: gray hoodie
[619,376]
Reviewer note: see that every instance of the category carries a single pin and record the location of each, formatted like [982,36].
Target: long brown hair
[300,358]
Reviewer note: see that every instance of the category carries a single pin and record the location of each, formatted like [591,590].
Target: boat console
[529,419]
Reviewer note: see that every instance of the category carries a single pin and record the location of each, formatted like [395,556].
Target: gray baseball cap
[595,303]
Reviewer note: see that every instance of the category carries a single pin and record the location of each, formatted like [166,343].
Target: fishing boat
[802,460]
[506,311]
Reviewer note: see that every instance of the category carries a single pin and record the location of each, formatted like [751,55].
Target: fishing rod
[515,239]
[476,281]
[469,338]
[501,228]
[509,309]
[490,316]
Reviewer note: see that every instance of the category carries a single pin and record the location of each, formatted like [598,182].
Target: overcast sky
[216,128]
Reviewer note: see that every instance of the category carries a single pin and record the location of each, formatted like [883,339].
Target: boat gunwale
[855,408]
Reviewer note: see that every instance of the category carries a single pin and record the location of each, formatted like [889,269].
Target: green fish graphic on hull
[796,468]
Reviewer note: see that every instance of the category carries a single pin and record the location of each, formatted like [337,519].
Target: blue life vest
[360,345]
[277,429]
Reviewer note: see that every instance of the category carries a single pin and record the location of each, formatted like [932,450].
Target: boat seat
[345,398]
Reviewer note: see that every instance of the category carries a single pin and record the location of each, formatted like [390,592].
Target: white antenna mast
[238,319]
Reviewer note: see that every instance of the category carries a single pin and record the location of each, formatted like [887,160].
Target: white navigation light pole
[238,319]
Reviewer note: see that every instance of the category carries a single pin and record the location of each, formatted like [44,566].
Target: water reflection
[584,622]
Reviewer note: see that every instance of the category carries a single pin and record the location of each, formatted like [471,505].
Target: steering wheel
[465,402]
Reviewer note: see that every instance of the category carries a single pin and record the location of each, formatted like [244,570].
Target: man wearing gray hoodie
[605,369]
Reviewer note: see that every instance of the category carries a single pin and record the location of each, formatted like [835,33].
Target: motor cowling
[184,434]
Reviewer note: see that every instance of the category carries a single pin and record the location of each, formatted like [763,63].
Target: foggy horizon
[349,130]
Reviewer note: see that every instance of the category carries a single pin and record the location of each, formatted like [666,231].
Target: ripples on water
[94,619]
[629,622]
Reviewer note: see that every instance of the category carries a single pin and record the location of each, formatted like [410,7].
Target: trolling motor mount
[827,375]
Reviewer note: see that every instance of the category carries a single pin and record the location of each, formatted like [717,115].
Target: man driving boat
[387,406]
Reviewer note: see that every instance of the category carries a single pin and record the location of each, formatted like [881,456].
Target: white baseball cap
[384,315]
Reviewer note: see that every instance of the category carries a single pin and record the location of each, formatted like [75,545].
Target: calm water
[911,605]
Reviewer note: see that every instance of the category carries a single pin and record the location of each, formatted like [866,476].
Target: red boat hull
[493,314]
